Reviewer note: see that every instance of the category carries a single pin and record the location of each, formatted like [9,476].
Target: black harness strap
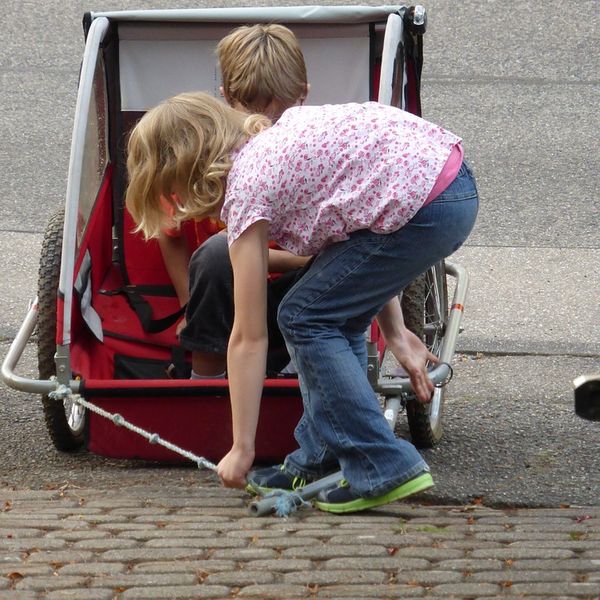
[135,297]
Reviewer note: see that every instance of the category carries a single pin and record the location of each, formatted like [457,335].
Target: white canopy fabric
[155,65]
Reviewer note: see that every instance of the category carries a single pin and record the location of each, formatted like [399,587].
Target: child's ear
[306,90]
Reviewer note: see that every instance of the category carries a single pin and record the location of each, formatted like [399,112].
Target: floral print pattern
[322,172]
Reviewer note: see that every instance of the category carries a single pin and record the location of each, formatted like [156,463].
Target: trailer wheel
[65,420]
[425,310]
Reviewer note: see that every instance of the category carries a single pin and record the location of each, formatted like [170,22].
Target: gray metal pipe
[24,384]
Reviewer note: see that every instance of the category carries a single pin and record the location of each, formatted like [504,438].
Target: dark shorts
[209,313]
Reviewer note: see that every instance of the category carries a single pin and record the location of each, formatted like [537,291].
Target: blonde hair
[182,147]
[262,65]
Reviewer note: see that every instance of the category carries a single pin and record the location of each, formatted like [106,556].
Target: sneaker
[263,481]
[342,499]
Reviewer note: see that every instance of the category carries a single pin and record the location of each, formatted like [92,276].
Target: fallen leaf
[392,551]
[15,576]
[202,575]
[582,518]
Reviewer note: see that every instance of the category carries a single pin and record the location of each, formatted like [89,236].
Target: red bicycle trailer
[106,312]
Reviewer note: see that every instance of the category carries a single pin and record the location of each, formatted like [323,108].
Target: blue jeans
[323,318]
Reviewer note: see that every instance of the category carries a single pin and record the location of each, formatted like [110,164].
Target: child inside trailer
[377,195]
[263,71]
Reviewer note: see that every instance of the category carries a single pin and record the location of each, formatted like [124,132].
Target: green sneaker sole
[418,484]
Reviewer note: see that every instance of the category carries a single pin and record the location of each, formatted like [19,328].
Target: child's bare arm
[407,348]
[247,349]
[281,261]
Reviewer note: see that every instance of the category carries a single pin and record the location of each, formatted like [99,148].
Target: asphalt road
[521,86]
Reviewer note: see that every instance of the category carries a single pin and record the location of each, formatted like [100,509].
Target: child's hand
[413,356]
[234,467]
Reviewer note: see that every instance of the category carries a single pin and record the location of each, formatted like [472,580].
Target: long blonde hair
[181,148]
[261,65]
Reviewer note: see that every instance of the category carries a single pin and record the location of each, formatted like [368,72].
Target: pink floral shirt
[322,172]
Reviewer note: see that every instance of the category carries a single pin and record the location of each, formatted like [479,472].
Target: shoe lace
[297,482]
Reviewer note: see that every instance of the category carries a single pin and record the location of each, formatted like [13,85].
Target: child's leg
[209,314]
[323,319]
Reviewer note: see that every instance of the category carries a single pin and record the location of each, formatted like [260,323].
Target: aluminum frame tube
[260,14]
[95,36]
[15,352]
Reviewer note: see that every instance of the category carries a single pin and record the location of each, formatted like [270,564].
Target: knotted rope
[154,438]
[286,503]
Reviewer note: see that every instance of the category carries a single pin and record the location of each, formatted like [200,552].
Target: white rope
[287,502]
[153,438]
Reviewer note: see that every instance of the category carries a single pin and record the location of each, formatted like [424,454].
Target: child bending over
[377,195]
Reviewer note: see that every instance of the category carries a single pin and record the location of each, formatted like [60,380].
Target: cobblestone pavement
[201,542]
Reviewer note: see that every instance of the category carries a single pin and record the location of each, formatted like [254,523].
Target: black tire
[65,421]
[425,310]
